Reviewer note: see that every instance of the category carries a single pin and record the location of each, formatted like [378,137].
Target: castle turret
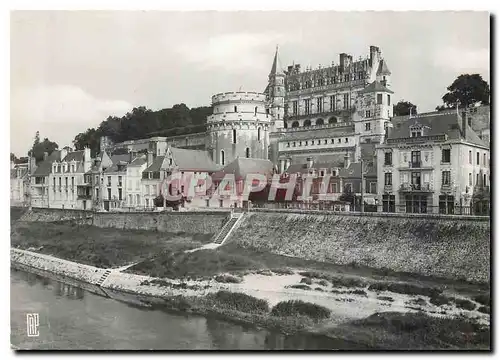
[276,93]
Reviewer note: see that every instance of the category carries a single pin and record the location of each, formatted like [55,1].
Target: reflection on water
[73,318]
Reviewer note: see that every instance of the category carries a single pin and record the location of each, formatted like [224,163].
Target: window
[307,123]
[332,103]
[306,142]
[470,179]
[255,111]
[109,180]
[367,126]
[416,133]
[258,134]
[484,180]
[97,179]
[446,178]
[389,203]
[484,159]
[147,203]
[235,108]
[326,142]
[379,99]
[477,180]
[388,179]
[322,173]
[307,106]
[388,158]
[368,114]
[234,136]
[120,194]
[446,204]
[319,102]
[477,158]
[287,144]
[416,204]
[109,194]
[346,101]
[119,181]
[416,180]
[295,107]
[346,140]
[222,158]
[339,141]
[294,144]
[72,181]
[247,153]
[470,157]
[445,155]
[415,159]
[388,100]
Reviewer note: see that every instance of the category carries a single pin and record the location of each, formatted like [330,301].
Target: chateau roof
[75,156]
[382,68]
[45,167]
[241,167]
[376,86]
[437,124]
[276,69]
[138,161]
[157,164]
[195,160]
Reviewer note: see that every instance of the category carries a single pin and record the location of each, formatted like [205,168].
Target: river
[71,318]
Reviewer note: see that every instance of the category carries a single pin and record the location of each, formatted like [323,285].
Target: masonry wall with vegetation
[441,246]
[173,222]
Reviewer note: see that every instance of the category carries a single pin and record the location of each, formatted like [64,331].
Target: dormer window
[416,133]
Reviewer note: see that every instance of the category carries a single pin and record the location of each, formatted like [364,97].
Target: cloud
[59,112]
[460,59]
[232,52]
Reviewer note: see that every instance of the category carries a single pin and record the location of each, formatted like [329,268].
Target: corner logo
[32,323]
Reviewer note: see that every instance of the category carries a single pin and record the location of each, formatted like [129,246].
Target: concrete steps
[103,277]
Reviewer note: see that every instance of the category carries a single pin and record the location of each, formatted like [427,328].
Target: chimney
[131,156]
[309,162]
[347,161]
[343,61]
[45,155]
[150,158]
[374,54]
[87,160]
[63,153]
[464,124]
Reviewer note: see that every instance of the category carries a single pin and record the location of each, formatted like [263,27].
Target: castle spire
[276,68]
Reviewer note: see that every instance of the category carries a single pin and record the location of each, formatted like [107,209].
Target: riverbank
[346,302]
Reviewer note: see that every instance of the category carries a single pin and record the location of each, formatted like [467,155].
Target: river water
[75,319]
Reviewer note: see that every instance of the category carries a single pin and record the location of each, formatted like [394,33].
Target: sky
[70,70]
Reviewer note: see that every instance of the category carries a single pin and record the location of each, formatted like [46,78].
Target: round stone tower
[238,127]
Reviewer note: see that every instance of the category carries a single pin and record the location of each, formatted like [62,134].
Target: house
[134,170]
[39,182]
[114,192]
[433,163]
[19,184]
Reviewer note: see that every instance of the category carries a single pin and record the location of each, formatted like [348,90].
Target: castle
[320,115]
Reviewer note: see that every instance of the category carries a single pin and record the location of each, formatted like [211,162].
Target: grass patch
[404,288]
[323,282]
[306,281]
[483,299]
[226,278]
[265,272]
[439,300]
[284,271]
[101,247]
[418,301]
[484,309]
[385,298]
[240,302]
[318,289]
[464,304]
[300,286]
[420,331]
[298,307]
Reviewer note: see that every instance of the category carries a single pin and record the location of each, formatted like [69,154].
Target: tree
[443,108]
[467,90]
[13,157]
[404,108]
[40,148]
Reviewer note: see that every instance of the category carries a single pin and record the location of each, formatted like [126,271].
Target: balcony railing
[426,187]
[84,197]
[415,164]
[388,188]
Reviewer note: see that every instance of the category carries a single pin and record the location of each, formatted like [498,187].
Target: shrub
[464,304]
[439,300]
[385,298]
[300,286]
[265,272]
[358,292]
[418,301]
[178,303]
[284,271]
[483,299]
[226,278]
[347,282]
[484,309]
[403,288]
[306,280]
[319,289]
[298,307]
[240,302]
[323,282]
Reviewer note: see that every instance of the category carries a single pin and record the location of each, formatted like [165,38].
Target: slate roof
[44,168]
[157,164]
[138,161]
[354,171]
[195,160]
[437,124]
[382,68]
[375,86]
[276,67]
[241,167]
[121,157]
[74,156]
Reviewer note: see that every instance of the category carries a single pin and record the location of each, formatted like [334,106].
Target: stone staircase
[103,277]
[226,229]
